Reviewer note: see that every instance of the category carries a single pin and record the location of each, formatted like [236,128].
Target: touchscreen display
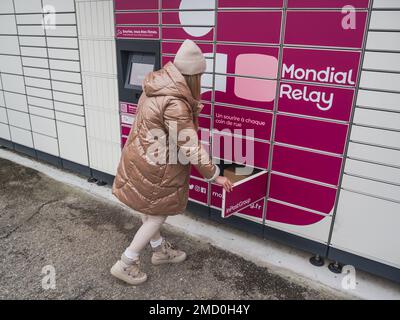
[139,72]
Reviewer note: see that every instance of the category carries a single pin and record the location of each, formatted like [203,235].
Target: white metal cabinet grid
[9,45]
[368,214]
[14,116]
[11,64]
[51,68]
[67,88]
[6,6]
[4,131]
[7,24]
[21,136]
[33,56]
[16,101]
[98,61]
[19,119]
[13,83]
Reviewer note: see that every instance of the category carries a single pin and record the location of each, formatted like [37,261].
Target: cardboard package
[230,173]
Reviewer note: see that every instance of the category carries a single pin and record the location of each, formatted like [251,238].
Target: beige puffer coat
[146,179]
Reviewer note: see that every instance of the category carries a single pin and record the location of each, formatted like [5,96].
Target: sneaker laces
[133,269]
[169,249]
[169,245]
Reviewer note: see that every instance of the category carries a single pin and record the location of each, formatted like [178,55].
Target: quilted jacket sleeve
[178,120]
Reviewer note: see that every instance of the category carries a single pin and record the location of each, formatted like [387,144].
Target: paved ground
[44,222]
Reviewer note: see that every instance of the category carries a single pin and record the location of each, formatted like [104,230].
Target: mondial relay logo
[322,100]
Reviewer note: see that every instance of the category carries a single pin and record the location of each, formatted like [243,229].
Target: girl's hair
[194,84]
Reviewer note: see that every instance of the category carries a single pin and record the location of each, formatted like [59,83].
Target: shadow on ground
[44,222]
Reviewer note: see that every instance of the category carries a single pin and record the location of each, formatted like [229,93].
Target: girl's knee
[157,219]
[144,217]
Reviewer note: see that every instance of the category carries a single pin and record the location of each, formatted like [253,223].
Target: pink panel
[250,3]
[316,101]
[170,4]
[245,26]
[136,18]
[303,194]
[206,96]
[284,214]
[206,111]
[205,123]
[241,93]
[241,150]
[194,172]
[327,4]
[125,130]
[216,196]
[166,59]
[198,190]
[239,120]
[255,210]
[136,5]
[123,141]
[173,47]
[204,131]
[313,134]
[177,33]
[244,194]
[323,28]
[305,164]
[324,66]
[138,32]
[128,108]
[170,18]
[268,69]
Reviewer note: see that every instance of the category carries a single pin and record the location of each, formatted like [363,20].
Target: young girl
[153,174]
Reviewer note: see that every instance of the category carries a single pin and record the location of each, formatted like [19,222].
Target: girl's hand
[225,183]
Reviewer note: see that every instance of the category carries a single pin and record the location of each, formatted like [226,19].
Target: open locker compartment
[249,187]
[243,207]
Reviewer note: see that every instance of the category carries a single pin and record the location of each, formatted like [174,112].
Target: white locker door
[72,141]
[368,227]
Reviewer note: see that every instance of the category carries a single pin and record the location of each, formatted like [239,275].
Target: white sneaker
[166,253]
[130,273]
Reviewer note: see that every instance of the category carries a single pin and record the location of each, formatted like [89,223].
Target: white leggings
[150,230]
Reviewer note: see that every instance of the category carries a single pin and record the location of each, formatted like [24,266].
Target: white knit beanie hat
[189,59]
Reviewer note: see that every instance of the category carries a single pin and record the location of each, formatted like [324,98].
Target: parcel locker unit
[312,119]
